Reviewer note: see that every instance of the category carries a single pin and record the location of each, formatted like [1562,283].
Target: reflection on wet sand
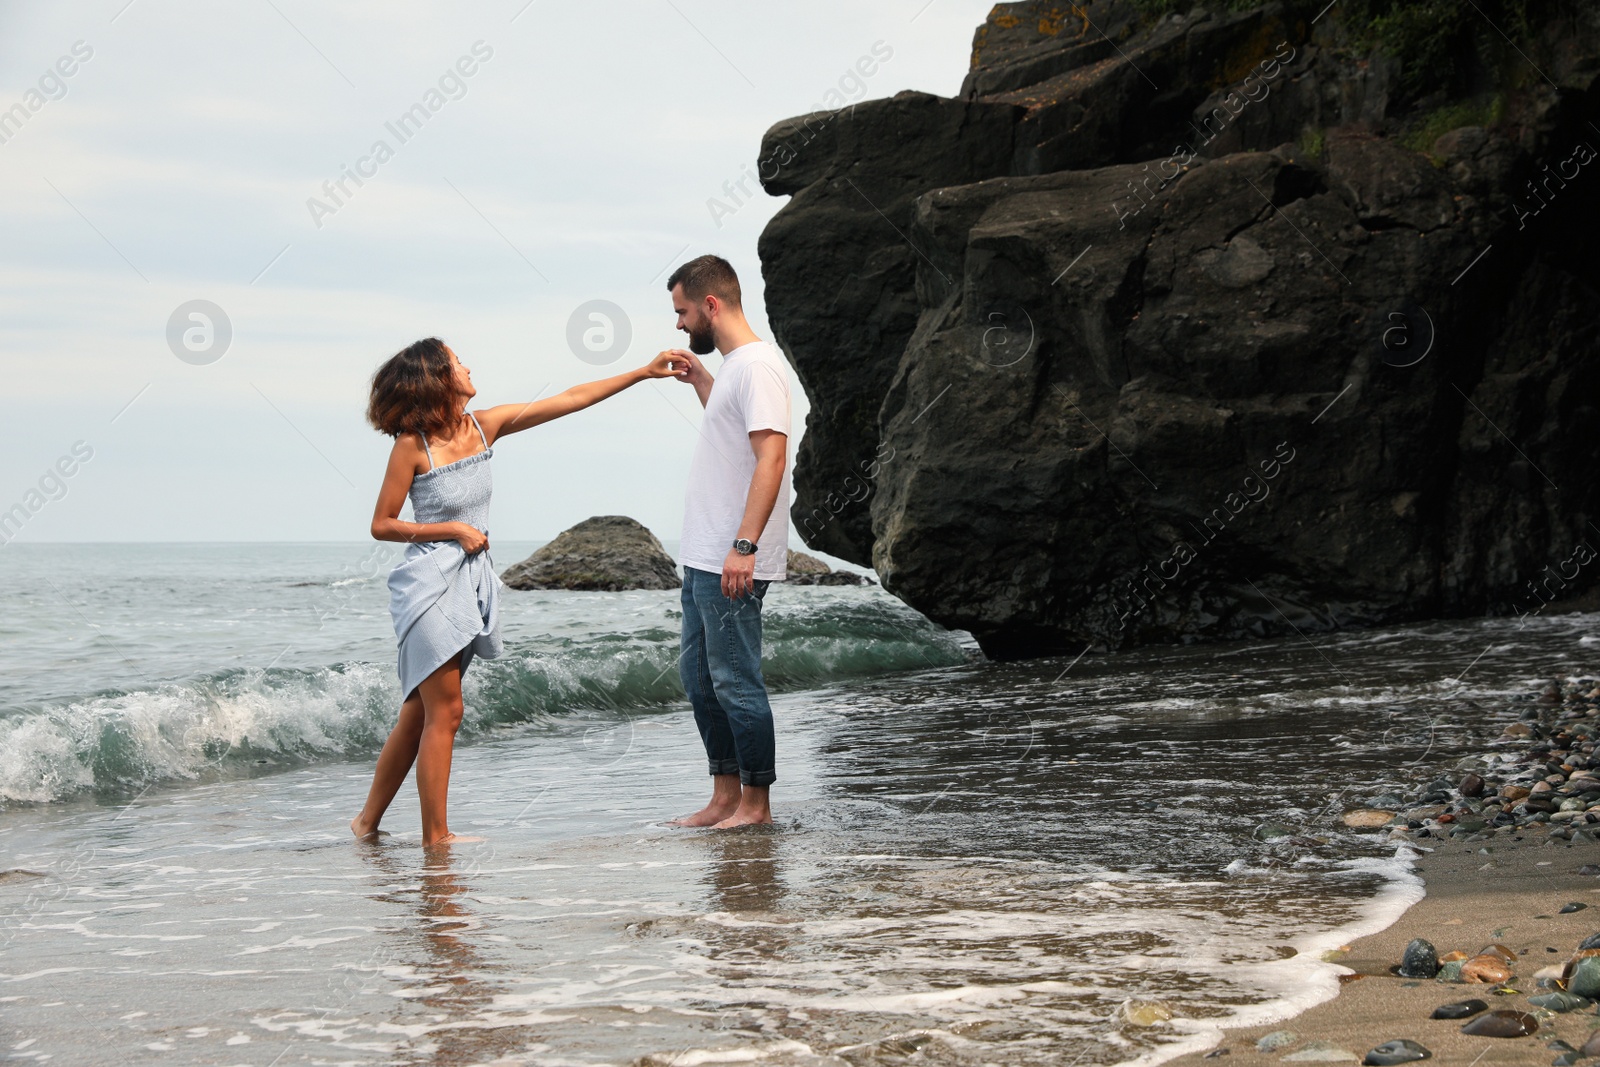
[453,975]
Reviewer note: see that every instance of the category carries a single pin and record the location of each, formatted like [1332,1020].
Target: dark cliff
[1188,321]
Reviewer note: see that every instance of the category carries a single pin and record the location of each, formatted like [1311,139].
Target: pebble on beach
[1585,978]
[1321,1052]
[1486,968]
[1390,1053]
[1276,1040]
[1560,1002]
[1420,960]
[1502,1024]
[1459,1009]
[1568,909]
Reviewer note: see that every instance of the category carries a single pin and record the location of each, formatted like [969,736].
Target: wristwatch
[744,546]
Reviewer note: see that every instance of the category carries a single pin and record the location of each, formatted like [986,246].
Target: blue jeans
[720,664]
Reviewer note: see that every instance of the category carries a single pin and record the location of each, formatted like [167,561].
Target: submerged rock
[1403,1050]
[1420,960]
[1145,1012]
[1367,818]
[1502,1024]
[1459,1009]
[608,553]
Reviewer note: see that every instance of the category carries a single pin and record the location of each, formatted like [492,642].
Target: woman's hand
[471,539]
[669,364]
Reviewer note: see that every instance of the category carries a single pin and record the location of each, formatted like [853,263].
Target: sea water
[1060,861]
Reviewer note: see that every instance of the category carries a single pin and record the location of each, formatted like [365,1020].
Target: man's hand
[696,370]
[669,364]
[738,574]
[698,376]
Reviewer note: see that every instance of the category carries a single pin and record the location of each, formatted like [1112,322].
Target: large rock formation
[608,553]
[1201,325]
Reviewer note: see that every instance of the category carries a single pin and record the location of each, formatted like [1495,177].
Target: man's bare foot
[709,815]
[366,831]
[726,796]
[744,818]
[454,839]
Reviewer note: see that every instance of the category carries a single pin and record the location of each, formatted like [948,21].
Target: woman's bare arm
[407,460]
[510,418]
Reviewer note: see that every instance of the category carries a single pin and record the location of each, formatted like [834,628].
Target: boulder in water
[809,570]
[607,553]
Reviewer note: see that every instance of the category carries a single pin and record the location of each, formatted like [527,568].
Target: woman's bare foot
[366,831]
[453,839]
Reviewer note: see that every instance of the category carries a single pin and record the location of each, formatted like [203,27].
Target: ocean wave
[241,720]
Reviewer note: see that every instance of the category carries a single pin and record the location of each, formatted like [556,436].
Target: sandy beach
[1479,893]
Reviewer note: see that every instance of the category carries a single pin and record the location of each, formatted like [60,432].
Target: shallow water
[974,863]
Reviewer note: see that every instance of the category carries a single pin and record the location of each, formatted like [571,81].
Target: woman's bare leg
[394,763]
[441,705]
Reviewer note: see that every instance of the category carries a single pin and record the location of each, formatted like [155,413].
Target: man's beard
[700,342]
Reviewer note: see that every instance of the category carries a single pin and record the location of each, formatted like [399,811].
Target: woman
[444,595]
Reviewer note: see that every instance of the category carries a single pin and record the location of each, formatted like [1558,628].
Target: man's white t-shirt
[751,393]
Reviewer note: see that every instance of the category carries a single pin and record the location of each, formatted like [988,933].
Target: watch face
[745,547]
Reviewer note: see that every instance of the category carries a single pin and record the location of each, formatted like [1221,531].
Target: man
[735,539]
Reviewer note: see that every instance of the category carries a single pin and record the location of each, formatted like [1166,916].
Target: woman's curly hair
[415,391]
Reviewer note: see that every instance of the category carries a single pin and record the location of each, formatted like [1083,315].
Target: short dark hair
[415,391]
[708,275]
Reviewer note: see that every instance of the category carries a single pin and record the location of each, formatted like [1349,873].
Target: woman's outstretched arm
[406,461]
[509,418]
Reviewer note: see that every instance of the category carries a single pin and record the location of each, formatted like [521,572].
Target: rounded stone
[1486,968]
[1420,960]
[1459,1009]
[1585,979]
[1502,1024]
[1560,1002]
[1402,1050]
[1276,1040]
[1367,818]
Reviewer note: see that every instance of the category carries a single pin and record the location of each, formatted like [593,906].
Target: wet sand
[1512,896]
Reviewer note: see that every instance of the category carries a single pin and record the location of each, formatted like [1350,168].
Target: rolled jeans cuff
[724,766]
[757,777]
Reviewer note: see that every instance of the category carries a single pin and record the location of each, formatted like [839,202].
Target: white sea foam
[1306,979]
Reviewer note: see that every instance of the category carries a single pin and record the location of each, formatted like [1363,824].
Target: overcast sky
[161,152]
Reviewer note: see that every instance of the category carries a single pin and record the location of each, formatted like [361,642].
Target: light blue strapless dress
[444,602]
